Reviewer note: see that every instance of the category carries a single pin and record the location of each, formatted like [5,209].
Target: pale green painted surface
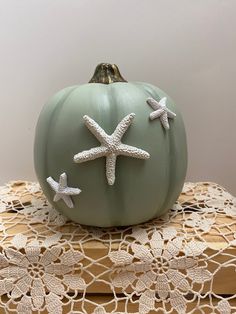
[143,189]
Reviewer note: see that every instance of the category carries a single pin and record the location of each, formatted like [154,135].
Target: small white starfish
[111,146]
[62,190]
[160,111]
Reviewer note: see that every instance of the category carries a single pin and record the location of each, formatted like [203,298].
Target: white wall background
[186,47]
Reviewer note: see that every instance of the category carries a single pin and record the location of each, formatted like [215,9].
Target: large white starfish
[111,146]
[62,190]
[160,111]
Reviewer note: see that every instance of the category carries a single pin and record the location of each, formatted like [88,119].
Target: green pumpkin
[143,188]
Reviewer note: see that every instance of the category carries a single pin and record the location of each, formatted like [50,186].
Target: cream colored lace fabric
[184,262]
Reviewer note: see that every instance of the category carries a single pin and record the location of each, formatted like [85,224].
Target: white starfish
[62,190]
[111,146]
[160,111]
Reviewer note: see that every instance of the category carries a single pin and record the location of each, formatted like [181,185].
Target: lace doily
[184,262]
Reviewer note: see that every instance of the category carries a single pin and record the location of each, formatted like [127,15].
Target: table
[183,262]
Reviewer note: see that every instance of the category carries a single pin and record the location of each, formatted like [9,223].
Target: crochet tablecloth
[183,262]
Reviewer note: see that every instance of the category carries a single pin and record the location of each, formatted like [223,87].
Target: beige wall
[186,47]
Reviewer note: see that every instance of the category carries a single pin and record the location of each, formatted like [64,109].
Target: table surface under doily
[183,262]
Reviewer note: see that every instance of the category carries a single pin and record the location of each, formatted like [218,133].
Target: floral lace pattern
[168,265]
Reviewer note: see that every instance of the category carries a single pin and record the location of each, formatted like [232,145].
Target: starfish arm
[67,199]
[90,154]
[54,185]
[111,169]
[57,197]
[96,130]
[62,181]
[122,127]
[164,121]
[162,102]
[131,151]
[156,114]
[170,113]
[153,103]
[71,191]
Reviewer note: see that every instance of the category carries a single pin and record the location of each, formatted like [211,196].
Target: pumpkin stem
[106,73]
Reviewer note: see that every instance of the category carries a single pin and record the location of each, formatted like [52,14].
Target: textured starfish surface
[62,190]
[160,111]
[111,146]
